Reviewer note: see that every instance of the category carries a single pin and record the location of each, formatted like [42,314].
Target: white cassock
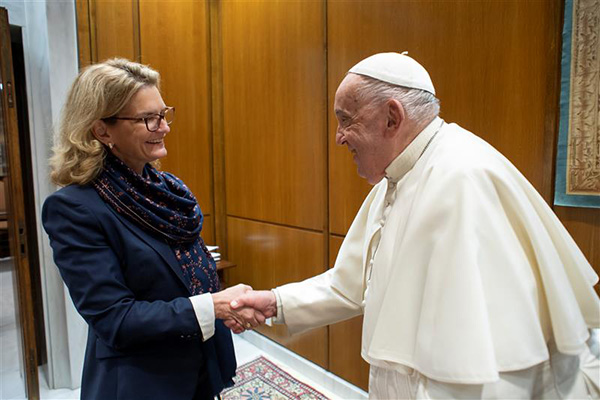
[469,284]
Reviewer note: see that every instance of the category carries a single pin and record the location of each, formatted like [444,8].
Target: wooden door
[15,210]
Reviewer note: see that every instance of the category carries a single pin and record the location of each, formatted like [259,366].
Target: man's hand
[263,301]
[243,317]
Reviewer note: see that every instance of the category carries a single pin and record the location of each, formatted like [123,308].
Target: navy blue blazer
[144,341]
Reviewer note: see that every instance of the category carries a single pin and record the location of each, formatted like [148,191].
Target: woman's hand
[240,319]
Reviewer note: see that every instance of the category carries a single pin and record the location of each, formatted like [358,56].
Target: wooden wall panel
[113,29]
[84,49]
[178,48]
[208,230]
[311,345]
[489,62]
[268,256]
[345,339]
[347,190]
[274,108]
[584,225]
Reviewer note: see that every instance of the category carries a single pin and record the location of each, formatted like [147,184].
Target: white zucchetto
[397,69]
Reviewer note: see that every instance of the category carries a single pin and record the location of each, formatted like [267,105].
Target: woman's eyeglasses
[152,121]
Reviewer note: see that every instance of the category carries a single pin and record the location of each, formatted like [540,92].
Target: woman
[126,239]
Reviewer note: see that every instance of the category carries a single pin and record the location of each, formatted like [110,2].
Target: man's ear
[100,132]
[395,115]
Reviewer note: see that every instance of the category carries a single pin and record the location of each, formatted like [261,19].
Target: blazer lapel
[162,248]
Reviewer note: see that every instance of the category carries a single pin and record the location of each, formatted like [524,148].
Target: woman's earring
[110,145]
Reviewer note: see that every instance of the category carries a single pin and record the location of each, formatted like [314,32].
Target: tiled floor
[11,381]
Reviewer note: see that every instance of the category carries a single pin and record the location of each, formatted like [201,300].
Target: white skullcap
[397,69]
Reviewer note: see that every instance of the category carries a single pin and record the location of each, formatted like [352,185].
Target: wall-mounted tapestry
[578,156]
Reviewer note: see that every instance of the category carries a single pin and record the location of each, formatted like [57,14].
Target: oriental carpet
[260,379]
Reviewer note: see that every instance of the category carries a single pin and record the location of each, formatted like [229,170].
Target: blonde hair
[99,91]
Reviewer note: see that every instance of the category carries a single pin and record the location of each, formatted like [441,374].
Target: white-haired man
[469,285]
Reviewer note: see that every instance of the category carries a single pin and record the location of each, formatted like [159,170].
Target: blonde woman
[126,239]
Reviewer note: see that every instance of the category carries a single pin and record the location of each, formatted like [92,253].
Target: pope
[469,284]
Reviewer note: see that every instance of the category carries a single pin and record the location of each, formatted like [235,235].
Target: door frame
[17,230]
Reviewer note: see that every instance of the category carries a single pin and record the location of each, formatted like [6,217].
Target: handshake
[242,308]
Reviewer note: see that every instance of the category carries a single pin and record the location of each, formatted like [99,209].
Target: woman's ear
[100,132]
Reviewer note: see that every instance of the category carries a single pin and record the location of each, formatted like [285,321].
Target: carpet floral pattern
[262,380]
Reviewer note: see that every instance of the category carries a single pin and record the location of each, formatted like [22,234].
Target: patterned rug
[262,380]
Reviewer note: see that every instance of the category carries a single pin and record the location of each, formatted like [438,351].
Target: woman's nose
[164,126]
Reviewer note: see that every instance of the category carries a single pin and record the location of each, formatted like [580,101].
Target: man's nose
[339,137]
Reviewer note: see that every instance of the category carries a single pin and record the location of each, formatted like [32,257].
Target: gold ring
[248,326]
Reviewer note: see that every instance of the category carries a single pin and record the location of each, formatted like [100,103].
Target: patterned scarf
[161,204]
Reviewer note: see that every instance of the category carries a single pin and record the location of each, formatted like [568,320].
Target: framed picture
[578,155]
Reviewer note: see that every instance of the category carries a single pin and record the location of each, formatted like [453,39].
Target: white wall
[50,47]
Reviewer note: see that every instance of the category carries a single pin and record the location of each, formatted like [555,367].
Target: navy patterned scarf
[161,204]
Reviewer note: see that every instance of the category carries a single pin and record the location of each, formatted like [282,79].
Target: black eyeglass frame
[146,118]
